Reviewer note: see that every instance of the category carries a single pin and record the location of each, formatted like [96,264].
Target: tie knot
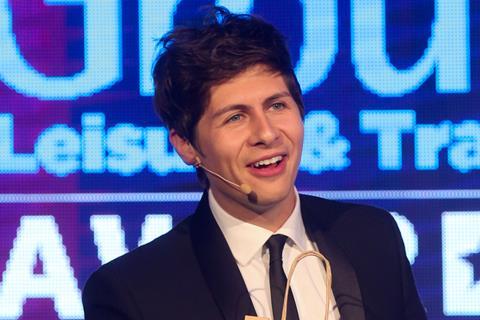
[275,245]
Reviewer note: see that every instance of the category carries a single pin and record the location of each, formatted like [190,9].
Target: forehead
[252,86]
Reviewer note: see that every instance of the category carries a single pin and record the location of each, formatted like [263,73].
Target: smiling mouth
[267,163]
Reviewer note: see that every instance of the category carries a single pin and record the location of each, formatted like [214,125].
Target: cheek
[296,133]
[300,131]
[223,151]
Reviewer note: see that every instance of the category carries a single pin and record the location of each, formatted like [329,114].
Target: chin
[272,196]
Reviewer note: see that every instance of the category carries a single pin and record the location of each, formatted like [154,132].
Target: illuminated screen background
[391,92]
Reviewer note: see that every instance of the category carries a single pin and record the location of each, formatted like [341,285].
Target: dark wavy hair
[193,59]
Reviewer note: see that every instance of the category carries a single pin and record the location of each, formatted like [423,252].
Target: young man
[229,96]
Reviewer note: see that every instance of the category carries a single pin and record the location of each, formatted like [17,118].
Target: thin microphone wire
[244,188]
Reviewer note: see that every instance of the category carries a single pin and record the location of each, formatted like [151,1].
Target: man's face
[252,132]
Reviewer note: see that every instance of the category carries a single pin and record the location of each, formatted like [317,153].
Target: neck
[270,216]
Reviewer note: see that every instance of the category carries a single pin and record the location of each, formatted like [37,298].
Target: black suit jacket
[190,272]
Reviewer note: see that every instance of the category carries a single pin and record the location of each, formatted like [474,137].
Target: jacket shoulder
[154,277]
[337,214]
[360,230]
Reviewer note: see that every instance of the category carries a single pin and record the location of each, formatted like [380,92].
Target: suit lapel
[218,265]
[344,280]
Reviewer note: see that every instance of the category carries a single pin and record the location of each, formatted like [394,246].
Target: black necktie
[278,280]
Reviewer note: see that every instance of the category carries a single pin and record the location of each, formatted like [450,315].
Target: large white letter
[109,236]
[155,18]
[460,240]
[320,44]
[409,236]
[237,6]
[160,159]
[102,54]
[448,51]
[389,125]
[154,226]
[39,236]
[324,148]
[10,162]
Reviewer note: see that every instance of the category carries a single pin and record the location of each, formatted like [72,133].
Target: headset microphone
[243,188]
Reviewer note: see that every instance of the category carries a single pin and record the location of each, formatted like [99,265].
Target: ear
[183,147]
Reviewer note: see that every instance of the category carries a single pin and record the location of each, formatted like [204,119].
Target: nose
[263,130]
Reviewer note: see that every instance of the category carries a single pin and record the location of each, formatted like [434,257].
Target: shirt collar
[246,240]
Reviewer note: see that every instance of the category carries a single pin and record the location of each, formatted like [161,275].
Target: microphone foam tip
[245,188]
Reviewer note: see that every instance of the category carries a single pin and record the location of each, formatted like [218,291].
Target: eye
[278,106]
[234,118]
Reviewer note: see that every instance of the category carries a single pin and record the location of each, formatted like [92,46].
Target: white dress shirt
[247,243]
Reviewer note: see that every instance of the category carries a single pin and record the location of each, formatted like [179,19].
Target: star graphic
[474,260]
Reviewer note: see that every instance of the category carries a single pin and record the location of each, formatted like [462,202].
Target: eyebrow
[276,96]
[242,107]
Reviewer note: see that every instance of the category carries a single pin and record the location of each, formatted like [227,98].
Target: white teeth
[267,161]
